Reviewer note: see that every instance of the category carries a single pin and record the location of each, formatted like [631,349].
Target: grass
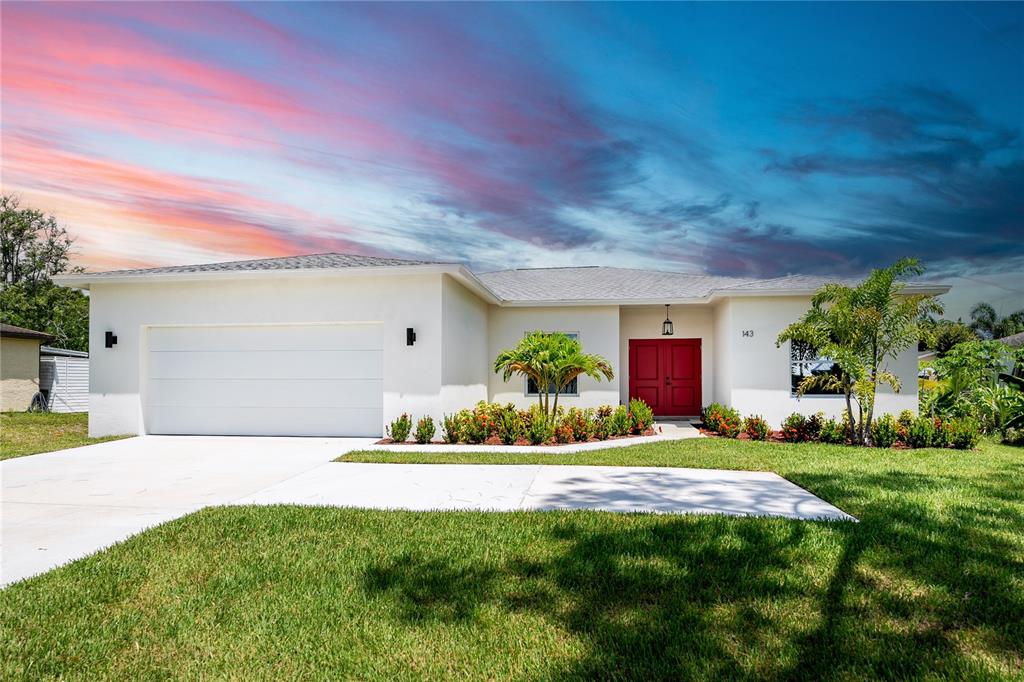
[29,433]
[930,585]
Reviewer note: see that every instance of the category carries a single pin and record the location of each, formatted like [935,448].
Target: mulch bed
[494,440]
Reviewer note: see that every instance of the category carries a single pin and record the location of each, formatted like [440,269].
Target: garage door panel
[299,380]
[273,421]
[234,338]
[280,364]
[213,393]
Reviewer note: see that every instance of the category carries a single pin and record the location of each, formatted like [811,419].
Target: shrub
[510,428]
[756,427]
[962,434]
[940,436]
[581,422]
[812,427]
[641,417]
[904,423]
[921,433]
[399,429]
[729,423]
[475,426]
[711,415]
[884,431]
[832,432]
[618,422]
[450,428]
[563,432]
[424,430]
[794,429]
[541,429]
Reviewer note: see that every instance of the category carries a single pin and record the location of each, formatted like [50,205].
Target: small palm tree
[551,361]
[570,362]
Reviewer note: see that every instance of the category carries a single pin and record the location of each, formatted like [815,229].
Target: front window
[804,361]
[572,388]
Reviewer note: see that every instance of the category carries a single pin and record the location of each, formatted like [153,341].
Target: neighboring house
[1015,341]
[19,366]
[64,379]
[336,344]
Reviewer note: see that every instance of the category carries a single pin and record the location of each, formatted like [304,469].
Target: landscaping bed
[498,424]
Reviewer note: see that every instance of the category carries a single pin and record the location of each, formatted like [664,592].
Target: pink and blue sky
[741,139]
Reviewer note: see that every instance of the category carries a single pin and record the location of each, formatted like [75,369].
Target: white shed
[64,379]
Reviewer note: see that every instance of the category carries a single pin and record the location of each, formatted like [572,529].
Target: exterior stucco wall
[598,329]
[19,369]
[465,365]
[689,322]
[721,369]
[758,379]
[412,374]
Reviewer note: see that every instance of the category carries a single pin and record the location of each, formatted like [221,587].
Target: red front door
[665,374]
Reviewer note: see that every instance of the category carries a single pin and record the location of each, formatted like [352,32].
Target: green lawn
[930,584]
[29,433]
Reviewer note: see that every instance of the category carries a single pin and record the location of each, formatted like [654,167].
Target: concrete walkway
[511,487]
[61,506]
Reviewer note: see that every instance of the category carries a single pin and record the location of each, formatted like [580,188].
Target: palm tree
[860,329]
[551,361]
[988,324]
[570,362]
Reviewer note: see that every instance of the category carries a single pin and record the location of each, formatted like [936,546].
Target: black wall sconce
[410,336]
[110,339]
[666,326]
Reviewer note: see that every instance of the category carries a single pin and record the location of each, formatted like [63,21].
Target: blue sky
[747,139]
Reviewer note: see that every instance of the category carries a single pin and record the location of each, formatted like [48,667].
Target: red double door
[665,374]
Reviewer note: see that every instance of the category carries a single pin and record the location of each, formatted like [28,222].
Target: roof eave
[86,280]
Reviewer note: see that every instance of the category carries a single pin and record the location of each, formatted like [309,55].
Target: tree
[989,325]
[551,361]
[948,334]
[33,248]
[860,329]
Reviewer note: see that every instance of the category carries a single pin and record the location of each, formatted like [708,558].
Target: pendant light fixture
[666,326]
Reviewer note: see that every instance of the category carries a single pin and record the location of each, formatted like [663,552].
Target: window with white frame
[805,361]
[571,389]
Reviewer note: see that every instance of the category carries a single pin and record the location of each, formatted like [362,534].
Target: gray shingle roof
[310,262]
[600,284]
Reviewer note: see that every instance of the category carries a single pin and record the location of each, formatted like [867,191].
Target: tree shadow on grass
[713,597]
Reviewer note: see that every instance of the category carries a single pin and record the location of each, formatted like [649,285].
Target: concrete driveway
[65,505]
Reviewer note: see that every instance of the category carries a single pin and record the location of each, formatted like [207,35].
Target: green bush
[884,431]
[450,428]
[476,427]
[510,428]
[813,425]
[940,437]
[641,417]
[541,429]
[921,433]
[563,432]
[903,424]
[711,416]
[399,429]
[581,422]
[618,422]
[794,428]
[961,434]
[833,432]
[729,422]
[756,427]
[602,422]
[425,430]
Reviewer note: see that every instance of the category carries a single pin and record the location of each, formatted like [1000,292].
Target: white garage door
[279,380]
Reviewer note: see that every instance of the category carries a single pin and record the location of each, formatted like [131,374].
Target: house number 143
[748,333]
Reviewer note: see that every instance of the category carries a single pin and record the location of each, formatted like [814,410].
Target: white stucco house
[339,345]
